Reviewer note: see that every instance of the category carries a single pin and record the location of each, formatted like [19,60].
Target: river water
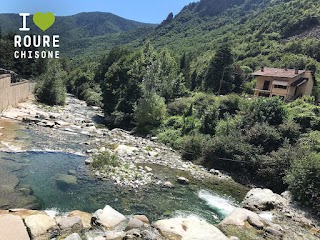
[39,173]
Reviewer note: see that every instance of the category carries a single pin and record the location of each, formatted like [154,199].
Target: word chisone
[36,41]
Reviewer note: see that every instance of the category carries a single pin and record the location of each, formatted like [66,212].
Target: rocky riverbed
[76,128]
[265,221]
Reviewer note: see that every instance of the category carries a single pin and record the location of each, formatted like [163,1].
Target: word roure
[35,41]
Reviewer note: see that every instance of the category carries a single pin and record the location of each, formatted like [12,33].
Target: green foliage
[105,159]
[264,136]
[150,111]
[229,126]
[209,120]
[171,137]
[218,78]
[179,106]
[305,113]
[192,146]
[303,179]
[270,110]
[51,88]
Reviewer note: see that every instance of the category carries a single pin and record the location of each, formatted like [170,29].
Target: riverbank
[270,217]
[76,128]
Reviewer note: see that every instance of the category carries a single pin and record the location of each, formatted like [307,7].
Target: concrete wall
[11,94]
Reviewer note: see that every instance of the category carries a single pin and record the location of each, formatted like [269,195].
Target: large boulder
[108,218]
[73,236]
[258,199]
[240,216]
[84,216]
[70,224]
[40,225]
[12,228]
[187,229]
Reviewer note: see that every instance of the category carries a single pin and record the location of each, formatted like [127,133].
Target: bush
[290,130]
[51,88]
[150,111]
[270,110]
[105,159]
[209,120]
[304,181]
[179,106]
[305,113]
[264,136]
[192,146]
[218,152]
[229,126]
[229,104]
[171,137]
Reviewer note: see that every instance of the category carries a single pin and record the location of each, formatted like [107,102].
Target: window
[264,95]
[266,85]
[280,86]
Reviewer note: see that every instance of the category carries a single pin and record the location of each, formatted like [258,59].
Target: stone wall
[13,93]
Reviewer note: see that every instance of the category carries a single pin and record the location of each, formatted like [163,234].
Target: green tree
[218,78]
[51,88]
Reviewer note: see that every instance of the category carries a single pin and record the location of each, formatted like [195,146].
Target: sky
[149,11]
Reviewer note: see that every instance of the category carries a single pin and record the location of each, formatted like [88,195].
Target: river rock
[151,234]
[168,185]
[62,123]
[114,236]
[70,224]
[239,216]
[188,228]
[40,225]
[108,217]
[84,216]
[23,213]
[183,180]
[73,236]
[134,223]
[142,218]
[12,228]
[255,222]
[65,181]
[125,150]
[258,199]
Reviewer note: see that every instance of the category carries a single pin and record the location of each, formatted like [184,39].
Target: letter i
[24,22]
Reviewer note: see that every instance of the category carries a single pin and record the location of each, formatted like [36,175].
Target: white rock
[108,217]
[40,224]
[12,228]
[73,236]
[188,228]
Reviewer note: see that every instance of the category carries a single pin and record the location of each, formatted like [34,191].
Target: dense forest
[188,82]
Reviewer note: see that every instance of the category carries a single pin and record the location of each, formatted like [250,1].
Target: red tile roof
[278,72]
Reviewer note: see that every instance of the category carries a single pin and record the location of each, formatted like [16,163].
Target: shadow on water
[62,181]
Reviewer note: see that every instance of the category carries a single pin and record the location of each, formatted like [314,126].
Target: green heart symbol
[43,20]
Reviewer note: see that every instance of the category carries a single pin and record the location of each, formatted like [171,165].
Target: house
[288,84]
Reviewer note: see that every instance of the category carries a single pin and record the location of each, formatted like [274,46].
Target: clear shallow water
[40,170]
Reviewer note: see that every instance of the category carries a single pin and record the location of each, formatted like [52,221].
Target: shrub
[264,136]
[304,113]
[179,106]
[105,159]
[229,104]
[209,120]
[171,137]
[270,110]
[304,181]
[218,152]
[51,88]
[290,130]
[229,126]
[192,146]
[150,110]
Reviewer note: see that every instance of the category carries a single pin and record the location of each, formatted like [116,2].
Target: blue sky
[152,11]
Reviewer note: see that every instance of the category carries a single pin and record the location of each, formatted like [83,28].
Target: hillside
[259,31]
[77,31]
